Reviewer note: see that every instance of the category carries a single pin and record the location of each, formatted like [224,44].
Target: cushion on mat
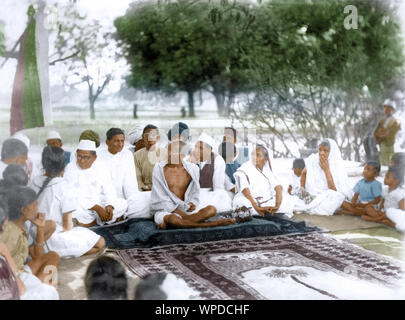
[142,233]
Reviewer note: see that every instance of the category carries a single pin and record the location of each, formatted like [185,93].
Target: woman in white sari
[258,189]
[325,178]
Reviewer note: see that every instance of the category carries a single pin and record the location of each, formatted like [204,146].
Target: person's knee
[211,210]
[101,243]
[52,257]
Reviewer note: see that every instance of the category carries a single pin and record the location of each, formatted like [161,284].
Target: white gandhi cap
[53,135]
[86,145]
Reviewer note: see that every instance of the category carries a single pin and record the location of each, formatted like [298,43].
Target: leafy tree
[316,78]
[188,46]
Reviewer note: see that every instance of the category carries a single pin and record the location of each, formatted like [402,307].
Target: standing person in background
[385,133]
[53,139]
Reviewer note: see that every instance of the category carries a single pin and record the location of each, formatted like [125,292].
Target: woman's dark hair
[325,143]
[114,132]
[15,175]
[53,161]
[376,165]
[106,280]
[13,148]
[17,198]
[149,288]
[226,149]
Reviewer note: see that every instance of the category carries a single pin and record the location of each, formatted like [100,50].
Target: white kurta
[121,168]
[56,200]
[93,187]
[261,186]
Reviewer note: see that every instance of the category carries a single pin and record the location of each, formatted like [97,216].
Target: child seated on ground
[39,274]
[294,181]
[367,192]
[393,199]
[55,198]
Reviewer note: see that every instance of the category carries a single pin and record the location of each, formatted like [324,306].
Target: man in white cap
[212,174]
[96,197]
[53,139]
[386,131]
[120,166]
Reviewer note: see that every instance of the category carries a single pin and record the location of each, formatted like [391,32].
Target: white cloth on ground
[121,168]
[56,200]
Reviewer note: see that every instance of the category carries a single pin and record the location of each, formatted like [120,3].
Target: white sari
[261,185]
[326,201]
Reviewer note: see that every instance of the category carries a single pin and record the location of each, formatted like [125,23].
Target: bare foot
[225,222]
[372,219]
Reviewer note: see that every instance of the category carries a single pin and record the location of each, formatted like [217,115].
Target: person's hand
[39,221]
[192,207]
[262,210]
[110,210]
[3,249]
[102,213]
[324,163]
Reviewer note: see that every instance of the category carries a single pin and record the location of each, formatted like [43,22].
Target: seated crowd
[47,213]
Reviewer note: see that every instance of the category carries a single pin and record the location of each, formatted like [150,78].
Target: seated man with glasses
[96,196]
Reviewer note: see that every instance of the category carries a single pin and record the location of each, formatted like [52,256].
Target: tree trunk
[220,99]
[190,97]
[92,109]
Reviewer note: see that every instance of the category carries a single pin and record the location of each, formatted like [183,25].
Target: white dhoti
[286,207]
[73,243]
[35,289]
[139,206]
[398,217]
[217,198]
[86,216]
[325,203]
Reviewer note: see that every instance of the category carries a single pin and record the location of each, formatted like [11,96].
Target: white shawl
[316,180]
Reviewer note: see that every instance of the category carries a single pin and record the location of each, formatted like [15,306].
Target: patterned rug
[301,266]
